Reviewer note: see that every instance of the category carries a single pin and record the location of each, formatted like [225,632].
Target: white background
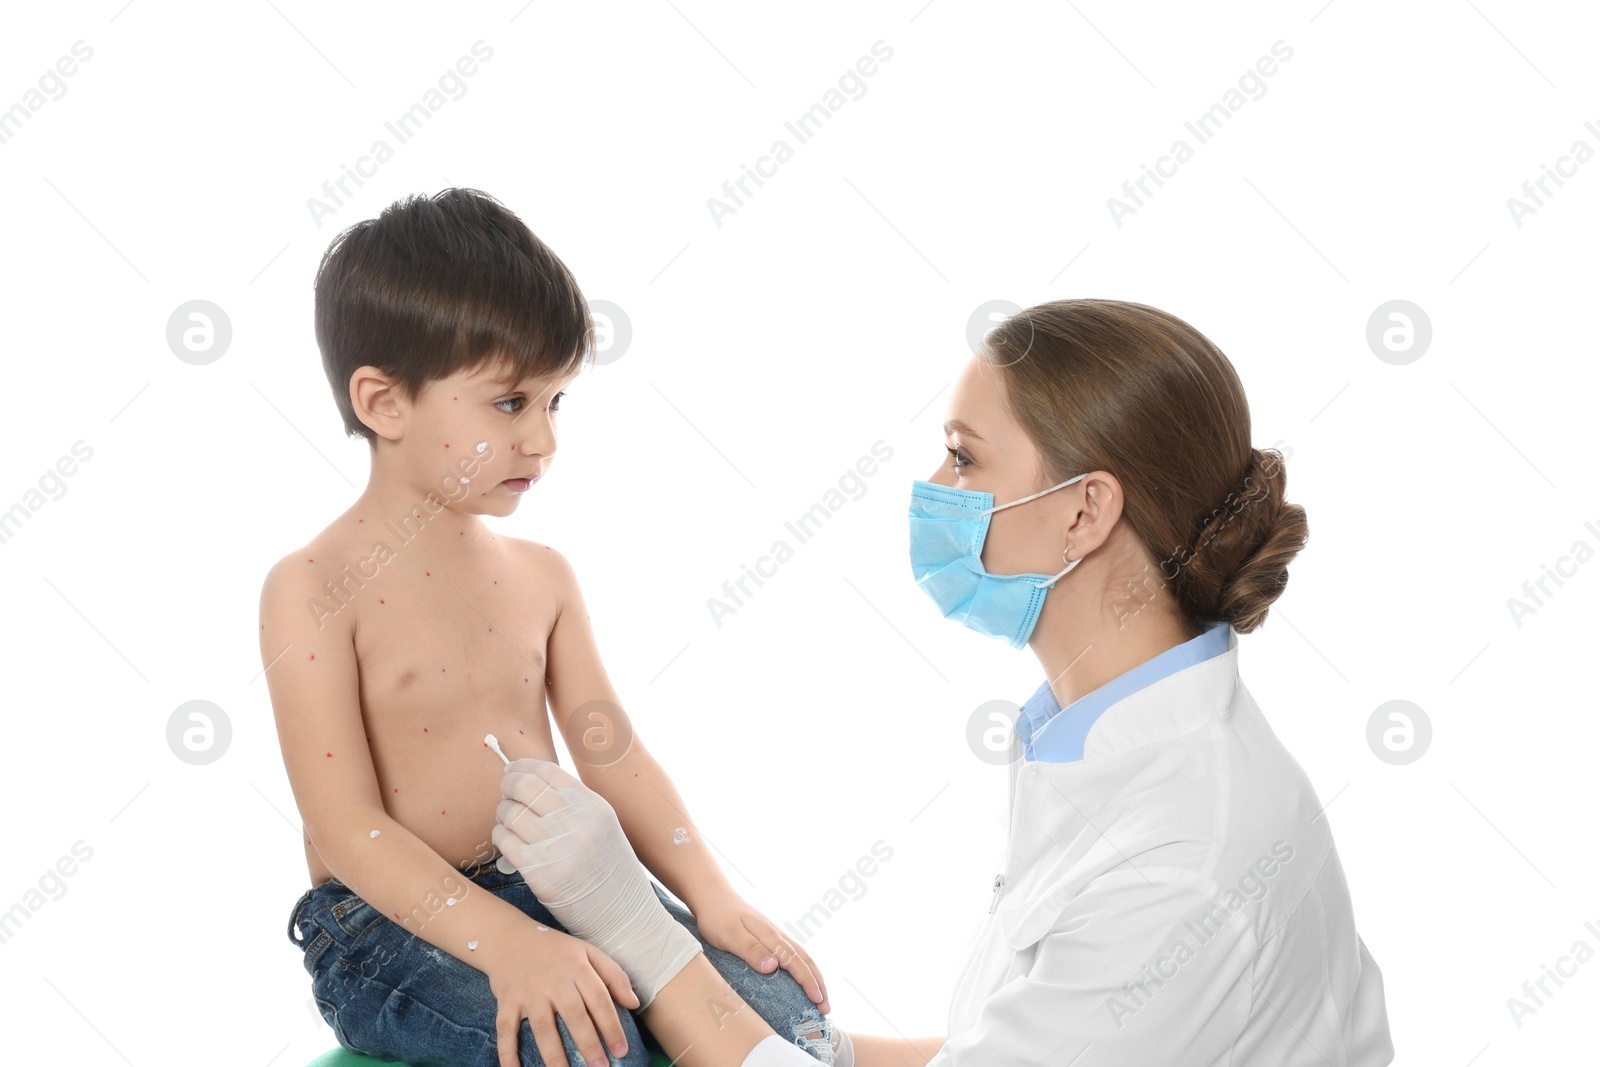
[768,354]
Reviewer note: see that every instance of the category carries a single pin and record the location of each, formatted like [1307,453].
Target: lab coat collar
[1168,706]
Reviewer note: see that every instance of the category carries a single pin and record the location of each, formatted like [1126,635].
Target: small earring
[1064,552]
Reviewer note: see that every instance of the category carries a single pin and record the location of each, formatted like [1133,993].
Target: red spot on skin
[519,731]
[397,789]
[361,520]
[397,915]
[330,755]
[428,573]
[491,629]
[310,561]
[447,444]
[441,811]
[380,600]
[424,729]
[313,655]
[513,448]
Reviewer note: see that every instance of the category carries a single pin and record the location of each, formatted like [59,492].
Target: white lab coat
[1099,948]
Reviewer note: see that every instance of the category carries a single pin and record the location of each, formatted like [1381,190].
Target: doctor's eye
[957,460]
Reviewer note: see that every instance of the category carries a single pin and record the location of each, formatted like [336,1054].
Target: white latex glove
[565,841]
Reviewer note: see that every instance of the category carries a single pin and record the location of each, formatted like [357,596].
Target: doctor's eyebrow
[957,426]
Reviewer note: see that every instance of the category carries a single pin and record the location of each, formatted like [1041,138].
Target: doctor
[1169,891]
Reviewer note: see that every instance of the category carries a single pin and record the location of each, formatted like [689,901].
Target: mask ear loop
[1033,496]
[1050,582]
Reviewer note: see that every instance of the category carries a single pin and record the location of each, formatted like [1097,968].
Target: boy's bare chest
[447,652]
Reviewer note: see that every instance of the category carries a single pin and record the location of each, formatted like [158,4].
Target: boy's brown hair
[435,285]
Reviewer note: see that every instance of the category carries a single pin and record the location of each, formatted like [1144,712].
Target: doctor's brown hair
[1122,387]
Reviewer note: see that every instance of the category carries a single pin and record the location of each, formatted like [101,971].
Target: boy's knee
[795,1017]
[778,998]
[813,1032]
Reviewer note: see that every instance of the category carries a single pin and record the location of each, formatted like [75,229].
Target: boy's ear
[377,401]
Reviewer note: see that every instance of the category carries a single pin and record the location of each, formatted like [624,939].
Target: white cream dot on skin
[473,945]
[452,900]
[375,833]
[679,836]
[461,481]
[481,447]
[540,926]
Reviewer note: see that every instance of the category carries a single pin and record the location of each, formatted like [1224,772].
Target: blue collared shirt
[1055,734]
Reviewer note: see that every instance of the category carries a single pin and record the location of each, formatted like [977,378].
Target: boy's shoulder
[303,574]
[541,558]
[311,558]
[306,569]
[549,568]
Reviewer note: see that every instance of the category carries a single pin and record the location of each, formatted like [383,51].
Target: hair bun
[1253,563]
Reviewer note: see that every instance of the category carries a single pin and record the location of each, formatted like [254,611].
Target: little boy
[406,631]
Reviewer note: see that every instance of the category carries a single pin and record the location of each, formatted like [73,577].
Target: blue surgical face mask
[948,526]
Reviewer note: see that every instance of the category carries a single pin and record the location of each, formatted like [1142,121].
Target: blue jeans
[388,993]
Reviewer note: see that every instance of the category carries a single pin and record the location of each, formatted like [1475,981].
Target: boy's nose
[538,444]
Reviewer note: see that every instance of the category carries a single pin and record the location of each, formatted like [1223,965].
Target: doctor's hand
[565,841]
[727,921]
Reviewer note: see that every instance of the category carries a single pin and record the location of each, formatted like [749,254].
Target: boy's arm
[648,808]
[312,679]
[591,720]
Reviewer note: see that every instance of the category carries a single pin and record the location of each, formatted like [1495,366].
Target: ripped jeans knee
[813,1031]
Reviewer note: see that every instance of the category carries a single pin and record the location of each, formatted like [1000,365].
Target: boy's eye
[555,403]
[957,459]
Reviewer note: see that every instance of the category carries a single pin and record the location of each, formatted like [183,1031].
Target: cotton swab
[489,740]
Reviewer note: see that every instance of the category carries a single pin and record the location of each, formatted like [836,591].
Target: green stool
[343,1057]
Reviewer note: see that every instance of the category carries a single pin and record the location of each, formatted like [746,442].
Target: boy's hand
[548,972]
[731,924]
